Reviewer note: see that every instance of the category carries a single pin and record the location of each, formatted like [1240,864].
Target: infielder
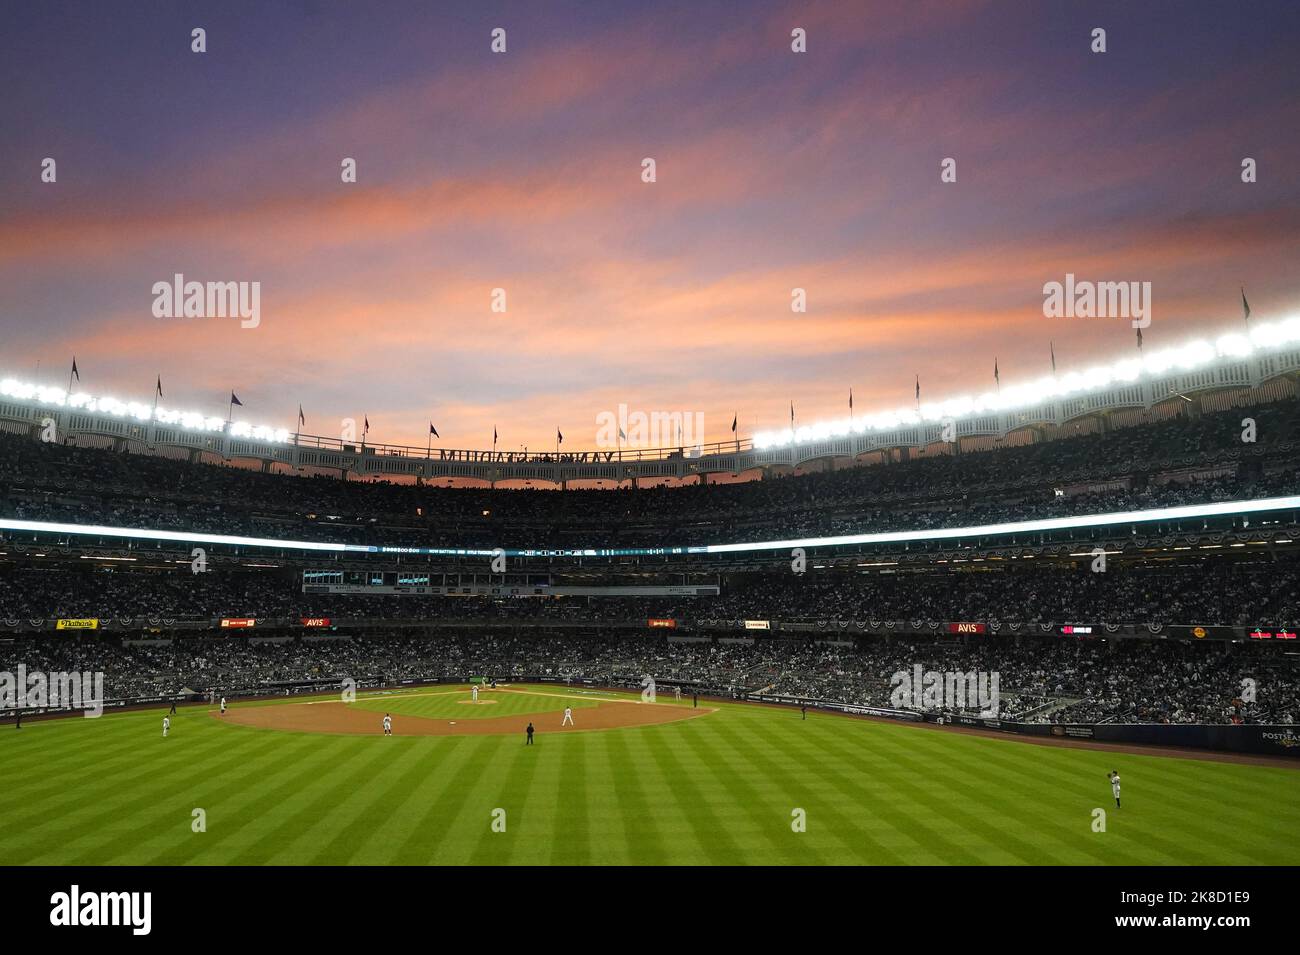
[388,725]
[223,706]
[568,717]
[167,724]
[1114,785]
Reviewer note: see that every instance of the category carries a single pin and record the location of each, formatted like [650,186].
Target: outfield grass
[716,789]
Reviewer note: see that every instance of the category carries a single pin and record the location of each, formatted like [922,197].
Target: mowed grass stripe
[1157,836]
[769,810]
[695,789]
[76,754]
[609,825]
[107,804]
[292,834]
[385,793]
[710,790]
[829,823]
[960,836]
[1002,789]
[235,816]
[644,842]
[167,815]
[516,764]
[570,835]
[466,828]
[531,807]
[442,792]
[874,795]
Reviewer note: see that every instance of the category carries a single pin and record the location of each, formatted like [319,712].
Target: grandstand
[977,555]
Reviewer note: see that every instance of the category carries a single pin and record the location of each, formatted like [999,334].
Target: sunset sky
[522,171]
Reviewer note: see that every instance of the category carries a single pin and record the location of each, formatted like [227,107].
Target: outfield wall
[1266,739]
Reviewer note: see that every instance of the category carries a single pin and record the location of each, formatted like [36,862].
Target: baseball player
[388,725]
[1114,785]
[568,717]
[473,690]
[223,706]
[167,724]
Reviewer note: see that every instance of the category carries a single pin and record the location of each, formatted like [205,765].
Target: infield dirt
[335,716]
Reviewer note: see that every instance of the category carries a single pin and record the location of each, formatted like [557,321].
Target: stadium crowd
[1041,680]
[1208,592]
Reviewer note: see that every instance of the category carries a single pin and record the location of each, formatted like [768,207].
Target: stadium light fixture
[1183,512]
[188,420]
[1188,356]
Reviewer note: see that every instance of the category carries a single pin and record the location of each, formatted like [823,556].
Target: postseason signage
[237,623]
[82,623]
[1268,633]
[659,623]
[758,625]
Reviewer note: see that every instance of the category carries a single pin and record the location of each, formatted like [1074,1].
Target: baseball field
[316,782]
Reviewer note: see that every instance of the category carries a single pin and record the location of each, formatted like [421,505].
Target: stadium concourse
[1160,622]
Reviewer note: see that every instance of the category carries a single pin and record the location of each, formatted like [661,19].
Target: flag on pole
[234,400]
[494,437]
[434,431]
[621,435]
[75,374]
[302,422]
[1052,346]
[559,436]
[996,376]
[850,400]
[1139,339]
[792,415]
[734,418]
[365,426]
[1245,306]
[157,391]
[918,389]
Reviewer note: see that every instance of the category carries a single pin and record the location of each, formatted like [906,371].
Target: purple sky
[522,171]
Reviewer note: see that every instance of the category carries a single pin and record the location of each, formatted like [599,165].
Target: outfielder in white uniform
[388,725]
[1114,786]
[568,716]
[167,724]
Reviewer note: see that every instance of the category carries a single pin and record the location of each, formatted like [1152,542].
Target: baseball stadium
[452,450]
[341,664]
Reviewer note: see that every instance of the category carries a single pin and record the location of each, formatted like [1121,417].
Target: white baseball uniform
[568,716]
